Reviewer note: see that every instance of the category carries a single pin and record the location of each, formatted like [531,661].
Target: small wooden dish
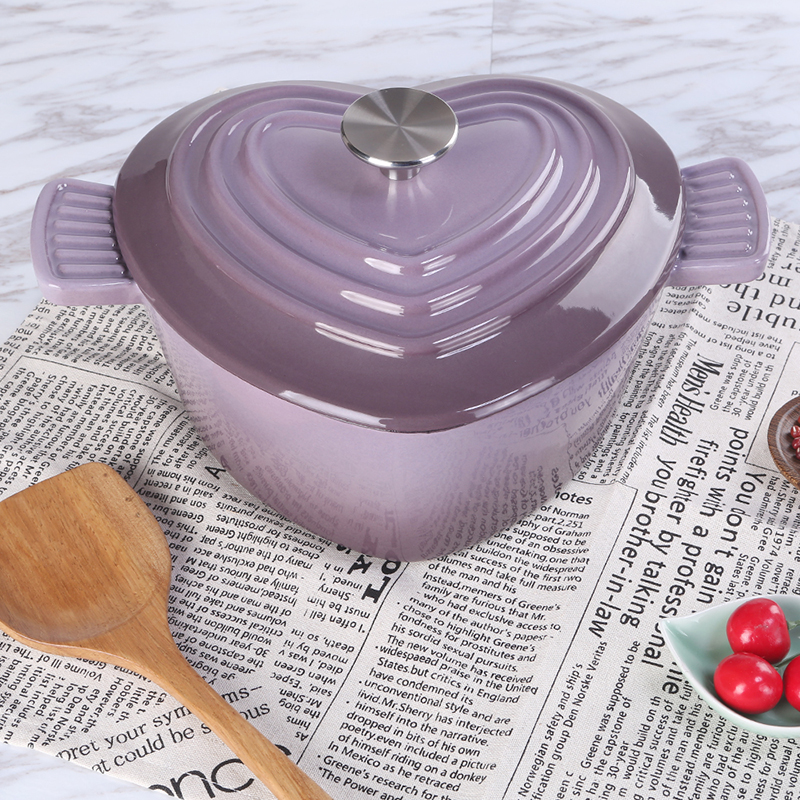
[780,440]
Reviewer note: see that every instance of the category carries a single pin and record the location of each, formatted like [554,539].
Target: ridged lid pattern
[410,305]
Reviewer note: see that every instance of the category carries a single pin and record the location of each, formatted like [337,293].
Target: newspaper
[529,666]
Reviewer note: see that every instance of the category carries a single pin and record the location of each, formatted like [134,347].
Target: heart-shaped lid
[410,305]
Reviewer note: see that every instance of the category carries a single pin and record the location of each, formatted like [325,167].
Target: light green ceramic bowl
[698,643]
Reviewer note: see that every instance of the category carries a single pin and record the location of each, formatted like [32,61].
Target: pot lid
[413,292]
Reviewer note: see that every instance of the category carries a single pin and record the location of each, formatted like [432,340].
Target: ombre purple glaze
[403,367]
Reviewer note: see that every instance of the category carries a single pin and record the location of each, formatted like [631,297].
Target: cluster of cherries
[748,680]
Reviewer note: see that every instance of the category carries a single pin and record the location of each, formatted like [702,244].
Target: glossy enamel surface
[402,366]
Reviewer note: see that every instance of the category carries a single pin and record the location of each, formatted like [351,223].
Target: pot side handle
[74,247]
[727,226]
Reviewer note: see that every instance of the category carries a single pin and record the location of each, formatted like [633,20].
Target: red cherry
[791,682]
[748,683]
[759,626]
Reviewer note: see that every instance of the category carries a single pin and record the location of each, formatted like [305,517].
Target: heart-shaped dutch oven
[408,294]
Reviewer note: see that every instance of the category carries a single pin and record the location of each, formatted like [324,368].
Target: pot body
[400,496]
[415,437]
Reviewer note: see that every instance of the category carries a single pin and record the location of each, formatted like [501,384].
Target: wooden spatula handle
[269,764]
[155,655]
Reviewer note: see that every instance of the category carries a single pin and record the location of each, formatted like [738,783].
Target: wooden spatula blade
[79,553]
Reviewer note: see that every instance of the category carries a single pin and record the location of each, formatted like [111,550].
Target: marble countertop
[81,82]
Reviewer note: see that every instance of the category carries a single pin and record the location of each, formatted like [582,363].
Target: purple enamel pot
[401,322]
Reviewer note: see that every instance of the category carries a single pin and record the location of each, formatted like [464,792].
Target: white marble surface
[82,81]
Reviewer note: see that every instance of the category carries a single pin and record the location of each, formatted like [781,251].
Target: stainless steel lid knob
[399,130]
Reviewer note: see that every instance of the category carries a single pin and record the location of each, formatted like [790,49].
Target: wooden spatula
[85,572]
